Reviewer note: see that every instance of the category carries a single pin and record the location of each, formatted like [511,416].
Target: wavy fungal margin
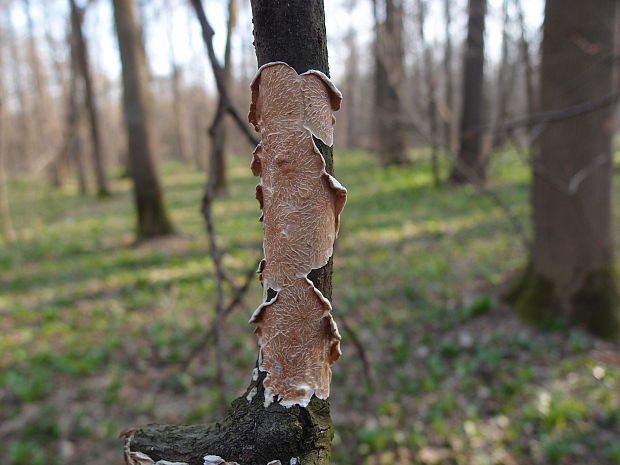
[301,205]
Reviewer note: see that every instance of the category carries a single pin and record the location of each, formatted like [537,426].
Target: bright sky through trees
[161,16]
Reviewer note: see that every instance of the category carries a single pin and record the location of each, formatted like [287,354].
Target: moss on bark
[595,305]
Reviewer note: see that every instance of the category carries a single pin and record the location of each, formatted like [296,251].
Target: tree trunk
[351,83]
[73,134]
[524,46]
[291,31]
[152,217]
[218,163]
[449,127]
[23,146]
[391,135]
[6,225]
[178,109]
[469,166]
[101,179]
[571,274]
[505,81]
[431,95]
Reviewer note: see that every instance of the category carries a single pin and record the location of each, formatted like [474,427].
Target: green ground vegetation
[95,331]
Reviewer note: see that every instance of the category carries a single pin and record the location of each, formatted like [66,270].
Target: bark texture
[571,272]
[152,217]
[469,166]
[292,31]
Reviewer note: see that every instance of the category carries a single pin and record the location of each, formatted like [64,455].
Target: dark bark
[292,31]
[571,274]
[469,166]
[152,217]
[391,134]
[81,51]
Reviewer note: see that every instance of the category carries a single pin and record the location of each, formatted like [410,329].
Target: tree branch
[218,73]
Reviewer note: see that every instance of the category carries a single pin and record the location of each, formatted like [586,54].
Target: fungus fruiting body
[301,205]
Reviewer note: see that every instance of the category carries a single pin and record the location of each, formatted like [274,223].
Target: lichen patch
[301,205]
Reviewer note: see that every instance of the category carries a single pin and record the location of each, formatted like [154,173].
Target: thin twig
[361,351]
[218,72]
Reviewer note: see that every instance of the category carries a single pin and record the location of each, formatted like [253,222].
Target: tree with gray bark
[571,273]
[153,219]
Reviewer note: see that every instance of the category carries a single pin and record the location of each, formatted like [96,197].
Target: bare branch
[218,72]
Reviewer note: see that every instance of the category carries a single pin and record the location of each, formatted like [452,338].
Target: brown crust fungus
[301,205]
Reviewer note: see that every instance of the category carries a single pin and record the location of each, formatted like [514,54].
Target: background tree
[389,128]
[469,166]
[81,55]
[152,217]
[6,225]
[449,108]
[571,273]
[430,78]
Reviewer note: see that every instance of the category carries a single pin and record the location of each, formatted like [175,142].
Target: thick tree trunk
[469,166]
[391,135]
[571,272]
[152,217]
[91,106]
[292,31]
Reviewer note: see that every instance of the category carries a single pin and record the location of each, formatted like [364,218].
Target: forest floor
[95,332]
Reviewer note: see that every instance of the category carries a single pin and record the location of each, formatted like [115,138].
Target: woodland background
[106,323]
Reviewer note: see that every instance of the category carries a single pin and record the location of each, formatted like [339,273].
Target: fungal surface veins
[301,203]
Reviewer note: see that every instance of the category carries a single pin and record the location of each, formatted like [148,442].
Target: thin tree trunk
[73,134]
[391,135]
[91,106]
[431,94]
[218,163]
[6,225]
[571,274]
[152,217]
[505,80]
[449,128]
[291,31]
[351,83]
[469,166]
[524,47]
[178,109]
